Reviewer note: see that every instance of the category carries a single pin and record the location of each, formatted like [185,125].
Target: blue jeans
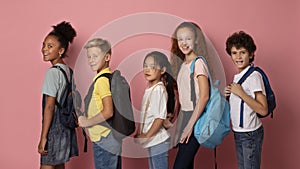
[107,153]
[158,155]
[248,148]
[186,154]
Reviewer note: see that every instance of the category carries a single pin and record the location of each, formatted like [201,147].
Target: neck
[53,62]
[189,57]
[152,83]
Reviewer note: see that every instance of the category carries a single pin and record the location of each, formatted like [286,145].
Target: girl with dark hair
[57,143]
[158,96]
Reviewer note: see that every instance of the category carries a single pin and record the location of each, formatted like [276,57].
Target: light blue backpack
[214,123]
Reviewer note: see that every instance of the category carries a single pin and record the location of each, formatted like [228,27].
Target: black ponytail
[169,81]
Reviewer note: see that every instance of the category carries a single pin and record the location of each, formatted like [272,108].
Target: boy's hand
[227,91]
[82,121]
[236,89]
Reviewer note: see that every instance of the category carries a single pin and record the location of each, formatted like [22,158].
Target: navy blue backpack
[269,92]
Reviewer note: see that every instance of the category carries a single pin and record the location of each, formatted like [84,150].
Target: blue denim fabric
[107,153]
[158,156]
[248,148]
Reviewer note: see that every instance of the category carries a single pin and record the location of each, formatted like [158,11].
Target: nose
[43,48]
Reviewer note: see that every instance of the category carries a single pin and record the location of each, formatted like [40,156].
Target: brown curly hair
[241,40]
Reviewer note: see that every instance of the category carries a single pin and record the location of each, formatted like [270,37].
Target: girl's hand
[140,138]
[167,123]
[185,136]
[41,147]
[82,121]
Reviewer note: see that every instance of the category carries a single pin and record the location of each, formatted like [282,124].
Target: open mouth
[185,48]
[239,62]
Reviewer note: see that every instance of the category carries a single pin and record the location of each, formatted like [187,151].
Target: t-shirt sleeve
[51,83]
[102,87]
[200,68]
[256,83]
[158,103]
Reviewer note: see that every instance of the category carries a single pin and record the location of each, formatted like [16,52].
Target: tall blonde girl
[188,42]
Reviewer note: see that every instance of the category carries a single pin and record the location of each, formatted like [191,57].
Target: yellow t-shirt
[101,90]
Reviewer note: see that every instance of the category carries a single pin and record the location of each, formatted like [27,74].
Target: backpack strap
[193,93]
[67,83]
[147,106]
[243,78]
[192,82]
[269,92]
[87,100]
[215,156]
[88,97]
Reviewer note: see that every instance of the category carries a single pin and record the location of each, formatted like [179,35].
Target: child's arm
[200,105]
[156,126]
[259,104]
[47,119]
[105,114]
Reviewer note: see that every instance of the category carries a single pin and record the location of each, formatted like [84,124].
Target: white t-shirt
[156,109]
[183,81]
[254,83]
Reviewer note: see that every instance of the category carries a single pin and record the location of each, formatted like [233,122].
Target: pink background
[273,24]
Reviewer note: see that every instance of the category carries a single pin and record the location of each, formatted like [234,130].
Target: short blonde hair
[104,45]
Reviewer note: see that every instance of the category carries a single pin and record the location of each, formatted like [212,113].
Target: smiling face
[240,57]
[97,59]
[186,40]
[51,50]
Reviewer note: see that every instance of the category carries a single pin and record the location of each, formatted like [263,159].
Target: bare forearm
[259,104]
[99,118]
[199,108]
[47,119]
[156,126]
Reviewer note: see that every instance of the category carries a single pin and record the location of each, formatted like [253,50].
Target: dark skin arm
[48,116]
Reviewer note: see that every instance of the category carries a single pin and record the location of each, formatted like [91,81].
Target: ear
[251,55]
[163,70]
[61,51]
[107,57]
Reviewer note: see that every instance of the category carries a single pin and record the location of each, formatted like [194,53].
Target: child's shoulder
[255,75]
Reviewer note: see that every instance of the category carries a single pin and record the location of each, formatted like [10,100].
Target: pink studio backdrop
[273,24]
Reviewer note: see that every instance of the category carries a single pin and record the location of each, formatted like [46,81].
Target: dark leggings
[186,154]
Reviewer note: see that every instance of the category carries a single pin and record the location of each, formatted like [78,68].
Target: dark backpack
[122,123]
[269,92]
[67,114]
